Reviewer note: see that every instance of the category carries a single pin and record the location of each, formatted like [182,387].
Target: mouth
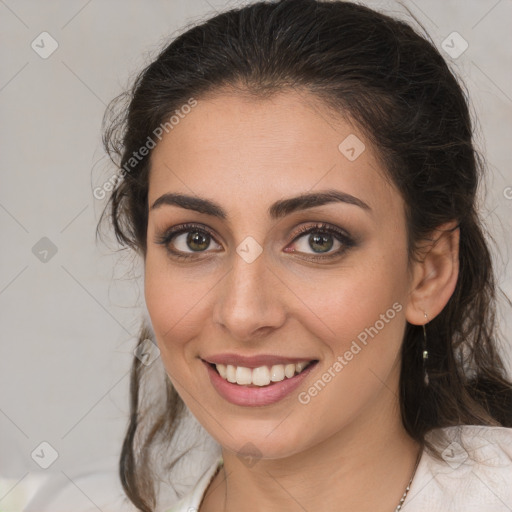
[262,376]
[261,385]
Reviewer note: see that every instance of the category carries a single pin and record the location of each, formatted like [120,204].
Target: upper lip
[254,361]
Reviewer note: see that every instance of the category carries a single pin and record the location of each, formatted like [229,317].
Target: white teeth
[277,373]
[261,376]
[301,366]
[289,370]
[231,373]
[243,375]
[222,371]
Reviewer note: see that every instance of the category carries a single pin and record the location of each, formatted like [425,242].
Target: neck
[365,466]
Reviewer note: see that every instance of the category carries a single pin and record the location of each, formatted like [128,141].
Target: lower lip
[256,396]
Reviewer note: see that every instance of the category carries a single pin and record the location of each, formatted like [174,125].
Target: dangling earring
[425,352]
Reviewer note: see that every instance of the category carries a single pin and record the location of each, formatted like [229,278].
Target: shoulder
[191,501]
[473,473]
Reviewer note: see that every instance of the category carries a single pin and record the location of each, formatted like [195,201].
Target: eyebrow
[277,210]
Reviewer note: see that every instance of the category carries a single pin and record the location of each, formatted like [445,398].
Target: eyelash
[346,241]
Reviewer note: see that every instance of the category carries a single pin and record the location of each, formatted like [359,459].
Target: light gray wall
[69,323]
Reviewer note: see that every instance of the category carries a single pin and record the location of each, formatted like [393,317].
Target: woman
[299,179]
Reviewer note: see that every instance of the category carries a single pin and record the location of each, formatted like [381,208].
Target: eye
[324,240]
[185,240]
[190,240]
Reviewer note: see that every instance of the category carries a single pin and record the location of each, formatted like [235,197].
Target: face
[256,279]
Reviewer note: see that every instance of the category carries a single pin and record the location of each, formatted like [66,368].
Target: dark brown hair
[398,89]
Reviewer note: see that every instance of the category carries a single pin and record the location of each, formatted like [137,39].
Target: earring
[425,352]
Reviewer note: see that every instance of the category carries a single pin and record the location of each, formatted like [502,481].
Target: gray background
[69,323]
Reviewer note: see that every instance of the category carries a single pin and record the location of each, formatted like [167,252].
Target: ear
[434,274]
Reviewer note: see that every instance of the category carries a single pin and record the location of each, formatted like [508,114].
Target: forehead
[246,151]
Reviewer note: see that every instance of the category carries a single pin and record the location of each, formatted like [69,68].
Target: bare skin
[345,449]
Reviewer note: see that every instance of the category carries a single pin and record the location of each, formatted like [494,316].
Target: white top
[474,475]
[477,479]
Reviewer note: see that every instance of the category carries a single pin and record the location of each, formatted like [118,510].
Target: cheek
[367,292]
[360,328]
[365,312]
[175,304]
[364,326]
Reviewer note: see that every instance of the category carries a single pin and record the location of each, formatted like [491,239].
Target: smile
[261,376]
[257,385]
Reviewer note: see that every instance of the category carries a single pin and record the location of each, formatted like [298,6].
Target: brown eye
[183,241]
[197,241]
[316,242]
[322,241]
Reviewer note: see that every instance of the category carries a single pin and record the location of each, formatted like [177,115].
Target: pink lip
[253,361]
[255,396]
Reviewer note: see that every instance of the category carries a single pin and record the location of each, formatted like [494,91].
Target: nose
[250,300]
